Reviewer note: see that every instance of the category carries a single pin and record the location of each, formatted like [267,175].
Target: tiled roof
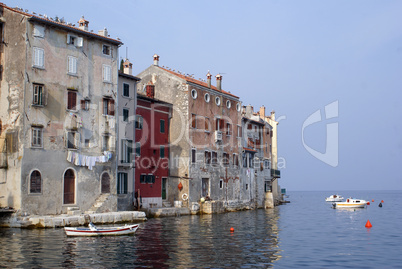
[62,25]
[198,82]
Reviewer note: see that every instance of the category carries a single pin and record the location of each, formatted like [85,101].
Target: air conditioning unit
[218,136]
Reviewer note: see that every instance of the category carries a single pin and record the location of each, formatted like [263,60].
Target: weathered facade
[205,142]
[126,106]
[58,129]
[151,149]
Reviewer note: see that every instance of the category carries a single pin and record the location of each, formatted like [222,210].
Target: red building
[151,149]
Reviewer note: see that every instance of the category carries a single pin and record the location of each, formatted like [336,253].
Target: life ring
[184,196]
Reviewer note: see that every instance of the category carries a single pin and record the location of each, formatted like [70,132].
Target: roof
[253,121]
[64,26]
[129,76]
[198,82]
[144,97]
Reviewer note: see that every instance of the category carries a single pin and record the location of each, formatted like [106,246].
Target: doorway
[69,187]
[164,188]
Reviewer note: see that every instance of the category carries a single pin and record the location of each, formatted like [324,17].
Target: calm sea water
[305,233]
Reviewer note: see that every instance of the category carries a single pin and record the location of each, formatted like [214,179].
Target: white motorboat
[334,198]
[92,230]
[351,203]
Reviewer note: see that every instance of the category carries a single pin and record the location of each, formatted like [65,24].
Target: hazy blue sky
[295,57]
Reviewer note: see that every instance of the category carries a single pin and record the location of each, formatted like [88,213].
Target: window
[162,152]
[214,159]
[244,160]
[205,187]
[143,178]
[235,160]
[194,121]
[126,90]
[106,50]
[105,142]
[74,40]
[193,155]
[35,182]
[238,107]
[125,114]
[85,104]
[73,140]
[217,101]
[38,95]
[225,159]
[220,184]
[107,73]
[37,137]
[194,94]
[126,150]
[38,57]
[228,104]
[121,183]
[138,149]
[267,164]
[72,65]
[228,129]
[138,122]
[250,160]
[219,124]
[207,156]
[39,31]
[207,125]
[71,100]
[239,131]
[108,106]
[207,97]
[162,126]
[150,178]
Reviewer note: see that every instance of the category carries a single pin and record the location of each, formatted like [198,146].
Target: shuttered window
[122,183]
[108,106]
[126,90]
[72,65]
[36,140]
[38,95]
[38,57]
[107,69]
[35,182]
[71,100]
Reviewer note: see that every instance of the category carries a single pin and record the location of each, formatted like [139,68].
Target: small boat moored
[92,230]
[350,203]
[334,198]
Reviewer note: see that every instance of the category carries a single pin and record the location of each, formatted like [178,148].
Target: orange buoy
[382,201]
[368,203]
[231,230]
[180,186]
[372,200]
[368,224]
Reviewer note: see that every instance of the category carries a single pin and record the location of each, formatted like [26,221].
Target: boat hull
[123,230]
[351,203]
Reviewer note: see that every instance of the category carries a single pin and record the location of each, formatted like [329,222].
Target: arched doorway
[105,183]
[69,187]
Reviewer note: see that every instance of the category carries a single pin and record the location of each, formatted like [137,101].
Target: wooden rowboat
[92,230]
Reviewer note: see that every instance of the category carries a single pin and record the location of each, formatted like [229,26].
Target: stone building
[205,141]
[58,129]
[126,107]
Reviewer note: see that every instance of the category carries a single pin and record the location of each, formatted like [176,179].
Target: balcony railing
[275,173]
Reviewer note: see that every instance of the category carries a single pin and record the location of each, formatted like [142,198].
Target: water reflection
[182,242]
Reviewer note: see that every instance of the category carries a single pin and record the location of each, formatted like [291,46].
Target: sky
[331,70]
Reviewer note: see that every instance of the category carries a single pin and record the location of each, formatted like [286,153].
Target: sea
[307,232]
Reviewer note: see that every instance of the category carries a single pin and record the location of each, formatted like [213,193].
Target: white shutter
[80,42]
[77,140]
[72,65]
[39,31]
[68,38]
[106,73]
[39,57]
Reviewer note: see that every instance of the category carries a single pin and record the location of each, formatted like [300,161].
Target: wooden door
[69,187]
[105,185]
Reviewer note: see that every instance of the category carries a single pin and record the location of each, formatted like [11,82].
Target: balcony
[275,173]
[218,136]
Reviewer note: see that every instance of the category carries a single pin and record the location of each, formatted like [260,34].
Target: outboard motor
[380,205]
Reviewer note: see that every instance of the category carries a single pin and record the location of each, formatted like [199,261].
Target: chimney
[249,111]
[128,67]
[273,115]
[156,59]
[209,79]
[262,112]
[219,82]
[150,90]
[83,24]
[103,32]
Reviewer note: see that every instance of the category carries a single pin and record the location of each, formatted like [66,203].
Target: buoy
[231,230]
[380,205]
[382,201]
[180,186]
[372,200]
[368,224]
[368,203]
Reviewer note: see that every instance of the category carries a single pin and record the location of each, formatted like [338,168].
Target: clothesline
[79,159]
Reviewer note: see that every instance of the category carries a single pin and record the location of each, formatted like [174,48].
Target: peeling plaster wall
[18,79]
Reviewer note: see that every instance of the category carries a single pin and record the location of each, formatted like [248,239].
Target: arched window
[35,182]
[105,183]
